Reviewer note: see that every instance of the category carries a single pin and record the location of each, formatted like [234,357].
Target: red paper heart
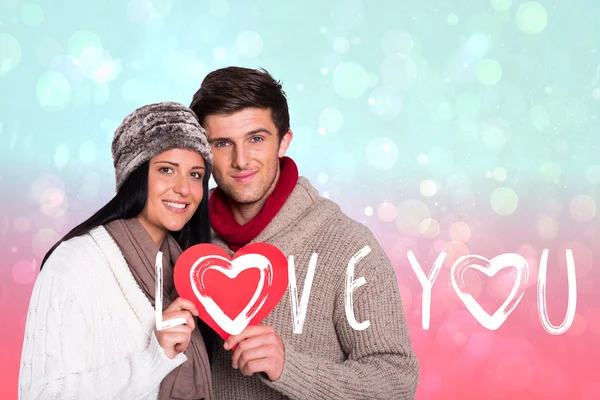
[232,293]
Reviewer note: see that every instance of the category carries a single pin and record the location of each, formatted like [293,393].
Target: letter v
[299,313]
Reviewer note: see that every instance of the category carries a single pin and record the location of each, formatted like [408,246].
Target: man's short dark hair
[232,89]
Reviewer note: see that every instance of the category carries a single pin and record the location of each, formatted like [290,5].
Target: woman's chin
[174,226]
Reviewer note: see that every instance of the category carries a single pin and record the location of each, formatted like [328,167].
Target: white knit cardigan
[90,328]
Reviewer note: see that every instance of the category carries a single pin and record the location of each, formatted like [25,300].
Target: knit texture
[329,359]
[152,129]
[89,331]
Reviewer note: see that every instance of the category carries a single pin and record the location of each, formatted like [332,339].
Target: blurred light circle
[454,250]
[399,71]
[386,212]
[81,40]
[10,56]
[504,201]
[397,41]
[501,5]
[410,215]
[249,44]
[582,208]
[430,228]
[452,19]
[43,183]
[331,119]
[547,228]
[460,232]
[551,171]
[385,102]
[468,105]
[350,80]
[428,188]
[54,203]
[495,133]
[32,15]
[24,272]
[593,174]
[583,256]
[499,174]
[531,17]
[53,91]
[382,153]
[488,71]
[341,45]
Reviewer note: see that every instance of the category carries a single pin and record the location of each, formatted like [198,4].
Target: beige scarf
[191,380]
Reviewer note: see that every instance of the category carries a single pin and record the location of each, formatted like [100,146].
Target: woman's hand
[176,339]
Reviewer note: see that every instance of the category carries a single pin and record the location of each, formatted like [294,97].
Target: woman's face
[174,191]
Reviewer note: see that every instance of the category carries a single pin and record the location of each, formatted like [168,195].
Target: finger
[182,347]
[254,366]
[172,339]
[182,304]
[161,335]
[187,315]
[249,344]
[249,332]
[256,353]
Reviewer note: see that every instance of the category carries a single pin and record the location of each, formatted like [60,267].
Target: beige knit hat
[155,128]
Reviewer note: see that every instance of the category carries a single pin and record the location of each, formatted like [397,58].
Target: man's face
[246,151]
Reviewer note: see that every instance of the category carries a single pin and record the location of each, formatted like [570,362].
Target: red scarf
[237,236]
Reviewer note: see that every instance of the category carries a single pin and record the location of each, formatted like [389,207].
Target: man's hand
[259,349]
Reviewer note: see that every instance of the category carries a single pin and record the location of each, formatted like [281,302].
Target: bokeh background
[469,127]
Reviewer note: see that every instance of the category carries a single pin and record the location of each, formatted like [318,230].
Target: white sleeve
[56,347]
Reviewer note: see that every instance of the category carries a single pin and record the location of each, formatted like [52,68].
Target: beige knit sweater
[330,359]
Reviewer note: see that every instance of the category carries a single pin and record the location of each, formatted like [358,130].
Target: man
[354,342]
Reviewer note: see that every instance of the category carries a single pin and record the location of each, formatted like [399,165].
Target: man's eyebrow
[259,130]
[250,133]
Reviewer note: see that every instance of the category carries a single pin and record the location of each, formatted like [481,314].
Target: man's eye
[256,139]
[221,144]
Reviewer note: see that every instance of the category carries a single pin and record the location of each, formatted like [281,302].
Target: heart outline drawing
[201,258]
[232,269]
[490,268]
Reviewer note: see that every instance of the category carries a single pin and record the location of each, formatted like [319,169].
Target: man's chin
[246,201]
[243,197]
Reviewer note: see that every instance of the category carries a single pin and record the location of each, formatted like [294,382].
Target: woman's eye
[196,175]
[165,170]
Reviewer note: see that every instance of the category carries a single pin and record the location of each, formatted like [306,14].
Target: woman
[91,327]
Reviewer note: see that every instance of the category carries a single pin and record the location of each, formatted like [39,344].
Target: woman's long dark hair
[129,202]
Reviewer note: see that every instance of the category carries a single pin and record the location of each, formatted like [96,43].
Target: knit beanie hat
[155,128]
